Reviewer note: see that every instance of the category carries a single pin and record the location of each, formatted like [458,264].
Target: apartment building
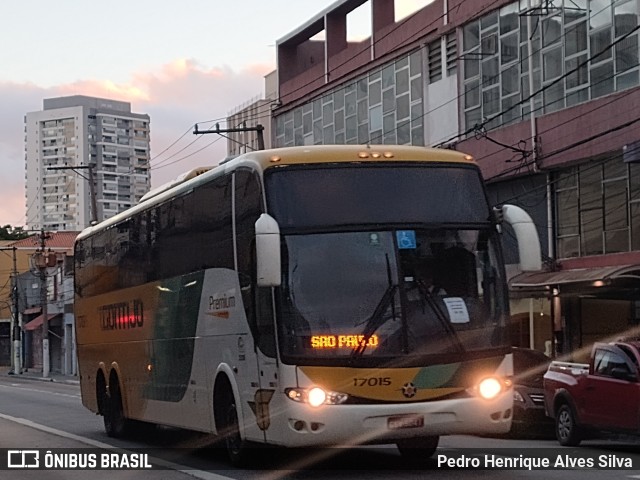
[544,94]
[86,159]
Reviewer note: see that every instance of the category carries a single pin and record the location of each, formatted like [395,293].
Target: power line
[189,155]
[541,90]
[430,111]
[396,27]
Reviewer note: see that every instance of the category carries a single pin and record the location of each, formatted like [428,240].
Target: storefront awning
[537,280]
[37,322]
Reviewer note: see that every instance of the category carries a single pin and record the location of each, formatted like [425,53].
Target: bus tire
[228,425]
[237,447]
[418,449]
[101,392]
[115,423]
[567,428]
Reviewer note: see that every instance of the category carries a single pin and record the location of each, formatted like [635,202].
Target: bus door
[259,381]
[266,359]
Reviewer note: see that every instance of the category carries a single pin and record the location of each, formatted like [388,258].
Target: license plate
[405,421]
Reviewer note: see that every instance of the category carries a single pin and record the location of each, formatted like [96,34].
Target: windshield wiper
[440,315]
[377,319]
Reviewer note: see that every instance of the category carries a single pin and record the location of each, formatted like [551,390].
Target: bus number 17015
[372,382]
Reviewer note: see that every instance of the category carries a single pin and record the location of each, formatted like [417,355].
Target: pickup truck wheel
[567,429]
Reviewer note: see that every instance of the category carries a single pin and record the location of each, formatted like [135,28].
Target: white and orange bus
[276,299]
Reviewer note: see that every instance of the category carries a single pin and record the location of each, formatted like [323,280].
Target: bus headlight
[315,396]
[490,387]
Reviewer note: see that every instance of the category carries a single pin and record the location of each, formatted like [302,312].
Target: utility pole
[16,366]
[41,261]
[17,330]
[92,187]
[258,129]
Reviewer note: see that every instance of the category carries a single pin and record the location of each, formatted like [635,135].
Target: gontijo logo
[23,459]
[122,315]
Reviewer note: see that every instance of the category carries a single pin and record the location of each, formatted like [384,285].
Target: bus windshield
[386,261]
[390,294]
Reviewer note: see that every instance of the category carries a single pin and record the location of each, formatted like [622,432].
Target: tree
[10,233]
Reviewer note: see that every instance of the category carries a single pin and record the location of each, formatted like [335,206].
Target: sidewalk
[37,376]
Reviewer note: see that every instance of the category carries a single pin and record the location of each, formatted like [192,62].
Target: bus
[279,298]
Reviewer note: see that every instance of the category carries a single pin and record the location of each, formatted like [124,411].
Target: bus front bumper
[343,425]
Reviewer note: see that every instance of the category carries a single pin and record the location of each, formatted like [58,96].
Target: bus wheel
[115,423]
[237,448]
[567,429]
[418,449]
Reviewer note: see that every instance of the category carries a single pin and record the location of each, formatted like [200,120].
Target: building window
[434,51]
[452,54]
[598,208]
[383,106]
[565,44]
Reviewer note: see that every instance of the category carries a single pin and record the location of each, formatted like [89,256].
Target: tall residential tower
[74,140]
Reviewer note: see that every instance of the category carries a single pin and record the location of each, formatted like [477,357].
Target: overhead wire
[397,26]
[490,80]
[166,161]
[406,41]
[540,90]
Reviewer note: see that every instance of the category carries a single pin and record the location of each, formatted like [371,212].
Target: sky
[180,63]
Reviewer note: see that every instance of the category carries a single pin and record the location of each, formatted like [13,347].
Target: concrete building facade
[544,94]
[27,288]
[86,159]
[254,114]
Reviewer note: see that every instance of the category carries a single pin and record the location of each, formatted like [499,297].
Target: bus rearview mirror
[268,267]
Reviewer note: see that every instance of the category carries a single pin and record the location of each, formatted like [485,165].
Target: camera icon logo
[23,459]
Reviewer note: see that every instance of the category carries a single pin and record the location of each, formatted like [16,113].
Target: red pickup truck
[603,395]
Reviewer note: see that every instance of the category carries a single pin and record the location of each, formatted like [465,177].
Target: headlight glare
[315,396]
[489,388]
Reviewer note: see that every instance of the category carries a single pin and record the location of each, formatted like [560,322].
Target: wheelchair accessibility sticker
[406,239]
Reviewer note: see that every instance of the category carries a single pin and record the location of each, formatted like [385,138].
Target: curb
[29,376]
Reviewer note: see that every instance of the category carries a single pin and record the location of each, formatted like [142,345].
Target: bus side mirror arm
[268,266]
[526,235]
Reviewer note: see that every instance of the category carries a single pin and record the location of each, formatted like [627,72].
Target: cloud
[12,205]
[17,100]
[176,96]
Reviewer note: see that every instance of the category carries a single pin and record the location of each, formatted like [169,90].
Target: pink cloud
[175,96]
[12,205]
